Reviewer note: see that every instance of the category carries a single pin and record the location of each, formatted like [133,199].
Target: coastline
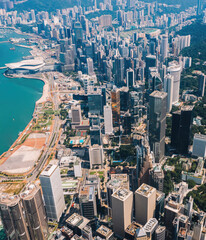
[45,93]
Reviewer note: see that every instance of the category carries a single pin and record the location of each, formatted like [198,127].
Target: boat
[13,48]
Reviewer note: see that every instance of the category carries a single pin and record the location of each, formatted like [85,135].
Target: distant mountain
[51,5]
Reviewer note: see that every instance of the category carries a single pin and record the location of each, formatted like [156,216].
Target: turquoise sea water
[17,95]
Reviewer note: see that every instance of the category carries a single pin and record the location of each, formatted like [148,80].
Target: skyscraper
[96,156]
[119,72]
[164,47]
[145,203]
[201,85]
[181,128]
[76,115]
[130,78]
[174,70]
[157,123]
[168,88]
[115,100]
[122,208]
[35,212]
[108,125]
[199,7]
[52,191]
[12,218]
[87,202]
[90,66]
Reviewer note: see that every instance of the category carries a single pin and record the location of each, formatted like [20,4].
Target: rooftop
[104,231]
[150,225]
[74,220]
[158,94]
[30,192]
[200,136]
[145,190]
[49,170]
[131,229]
[9,200]
[121,193]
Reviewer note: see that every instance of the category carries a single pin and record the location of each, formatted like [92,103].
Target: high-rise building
[76,115]
[87,202]
[105,233]
[199,145]
[115,100]
[174,70]
[201,85]
[160,233]
[77,168]
[52,191]
[13,218]
[145,203]
[95,135]
[130,78]
[95,103]
[150,227]
[122,208]
[108,125]
[164,47]
[78,31]
[157,123]
[168,88]
[199,7]
[35,212]
[105,21]
[156,178]
[90,67]
[150,62]
[24,216]
[124,99]
[181,128]
[96,156]
[119,72]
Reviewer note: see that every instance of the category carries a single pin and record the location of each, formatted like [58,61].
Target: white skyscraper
[108,125]
[122,207]
[168,88]
[164,47]
[90,66]
[174,70]
[52,191]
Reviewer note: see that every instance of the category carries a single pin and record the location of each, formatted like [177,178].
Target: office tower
[115,100]
[13,218]
[150,62]
[52,191]
[96,156]
[156,178]
[35,212]
[145,203]
[108,125]
[77,168]
[172,210]
[199,7]
[168,88]
[150,227]
[105,21]
[90,66]
[77,223]
[175,71]
[124,99]
[78,32]
[104,96]
[160,233]
[105,233]
[199,145]
[130,78]
[157,123]
[136,105]
[94,180]
[76,115]
[122,208]
[201,85]
[87,202]
[181,128]
[117,181]
[87,233]
[95,135]
[164,48]
[95,103]
[160,202]
[127,122]
[119,72]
